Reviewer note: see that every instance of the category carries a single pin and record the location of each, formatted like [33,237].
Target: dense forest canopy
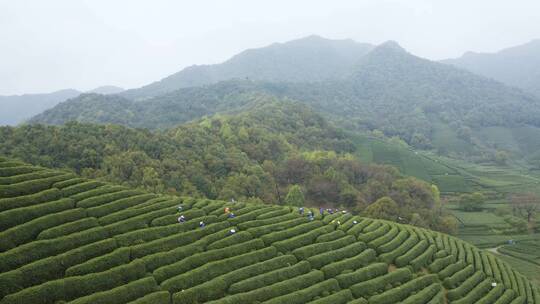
[262,154]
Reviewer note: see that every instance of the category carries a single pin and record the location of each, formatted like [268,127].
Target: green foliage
[384,208]
[472,202]
[295,197]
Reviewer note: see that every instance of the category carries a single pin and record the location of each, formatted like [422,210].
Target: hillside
[517,66]
[261,154]
[309,59]
[432,106]
[81,241]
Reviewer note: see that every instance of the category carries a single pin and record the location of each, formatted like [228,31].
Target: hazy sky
[55,44]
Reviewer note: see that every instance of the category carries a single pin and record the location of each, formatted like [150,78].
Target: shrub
[492,296]
[33,251]
[440,263]
[31,186]
[369,236]
[454,280]
[351,263]
[14,179]
[237,238]
[383,239]
[154,233]
[306,294]
[116,258]
[318,248]
[169,205]
[394,243]
[163,273]
[69,182]
[136,222]
[389,257]
[104,190]
[476,293]
[396,295]
[275,214]
[362,274]
[411,254]
[74,287]
[274,290]
[358,228]
[423,259]
[319,260]
[270,278]
[217,287]
[121,294]
[374,285]
[267,221]
[302,239]
[174,241]
[158,297]
[214,269]
[270,237]
[101,199]
[340,297]
[79,188]
[466,286]
[159,259]
[173,218]
[28,231]
[451,269]
[68,228]
[14,217]
[251,215]
[332,236]
[425,295]
[117,205]
[30,199]
[16,170]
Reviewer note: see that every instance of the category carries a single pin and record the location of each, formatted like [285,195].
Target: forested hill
[518,66]
[388,89]
[275,151]
[308,59]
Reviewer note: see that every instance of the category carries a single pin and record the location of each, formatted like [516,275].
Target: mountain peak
[392,45]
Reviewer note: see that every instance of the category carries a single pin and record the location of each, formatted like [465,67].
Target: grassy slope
[88,242]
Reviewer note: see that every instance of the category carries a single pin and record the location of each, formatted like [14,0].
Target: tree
[295,197]
[528,203]
[383,208]
[472,202]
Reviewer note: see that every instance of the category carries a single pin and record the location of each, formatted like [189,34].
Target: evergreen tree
[295,197]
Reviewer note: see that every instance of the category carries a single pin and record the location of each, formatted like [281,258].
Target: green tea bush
[270,278]
[173,218]
[394,243]
[301,240]
[423,259]
[478,292]
[158,297]
[101,199]
[103,190]
[267,221]
[30,187]
[398,294]
[306,294]
[116,258]
[340,297]
[466,286]
[163,273]
[273,237]
[424,295]
[326,258]
[30,199]
[391,256]
[383,239]
[440,263]
[352,263]
[68,228]
[412,253]
[237,238]
[362,274]
[332,236]
[117,205]
[159,259]
[211,270]
[305,252]
[121,294]
[279,226]
[451,269]
[274,290]
[14,179]
[375,285]
[79,188]
[10,171]
[18,216]
[493,295]
[122,215]
[372,235]
[28,231]
[457,278]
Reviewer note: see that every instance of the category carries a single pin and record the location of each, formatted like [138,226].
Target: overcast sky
[57,44]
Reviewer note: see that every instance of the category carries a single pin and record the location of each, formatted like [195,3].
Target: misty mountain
[308,59]
[518,66]
[387,89]
[17,108]
[108,89]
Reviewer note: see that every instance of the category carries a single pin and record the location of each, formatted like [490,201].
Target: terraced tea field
[65,239]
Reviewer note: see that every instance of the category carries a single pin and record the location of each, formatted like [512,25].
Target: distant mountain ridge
[517,66]
[386,89]
[309,59]
[16,109]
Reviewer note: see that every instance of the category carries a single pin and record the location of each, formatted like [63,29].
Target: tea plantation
[65,239]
